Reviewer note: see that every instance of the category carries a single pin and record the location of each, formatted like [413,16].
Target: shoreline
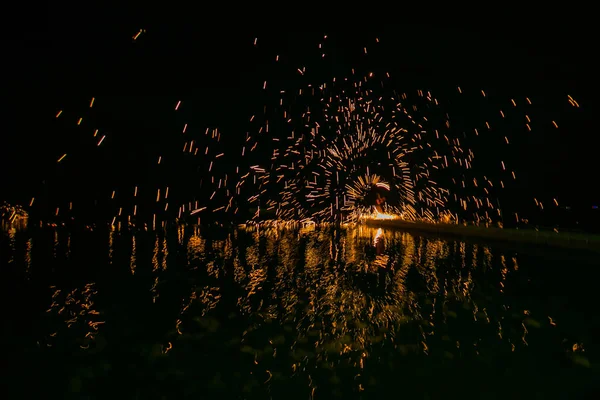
[566,240]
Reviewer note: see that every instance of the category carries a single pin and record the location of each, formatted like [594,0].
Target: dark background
[213,67]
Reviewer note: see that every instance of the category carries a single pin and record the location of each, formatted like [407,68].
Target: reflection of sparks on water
[378,237]
[321,299]
[76,312]
[28,256]
[381,259]
[132,258]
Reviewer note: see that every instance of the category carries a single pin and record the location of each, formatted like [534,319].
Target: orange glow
[378,215]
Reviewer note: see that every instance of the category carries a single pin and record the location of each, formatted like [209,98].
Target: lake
[321,313]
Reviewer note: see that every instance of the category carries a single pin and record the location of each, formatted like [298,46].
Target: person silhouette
[379,202]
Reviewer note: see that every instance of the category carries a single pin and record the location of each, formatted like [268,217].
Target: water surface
[285,314]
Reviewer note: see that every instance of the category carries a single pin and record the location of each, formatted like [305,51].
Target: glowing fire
[379,215]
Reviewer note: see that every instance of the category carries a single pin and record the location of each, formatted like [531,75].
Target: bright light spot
[378,215]
[378,236]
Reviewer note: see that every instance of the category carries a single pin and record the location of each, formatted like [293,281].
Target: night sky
[218,73]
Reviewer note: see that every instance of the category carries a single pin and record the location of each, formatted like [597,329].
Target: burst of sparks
[341,146]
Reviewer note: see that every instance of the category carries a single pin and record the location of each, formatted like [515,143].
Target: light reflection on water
[292,313]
